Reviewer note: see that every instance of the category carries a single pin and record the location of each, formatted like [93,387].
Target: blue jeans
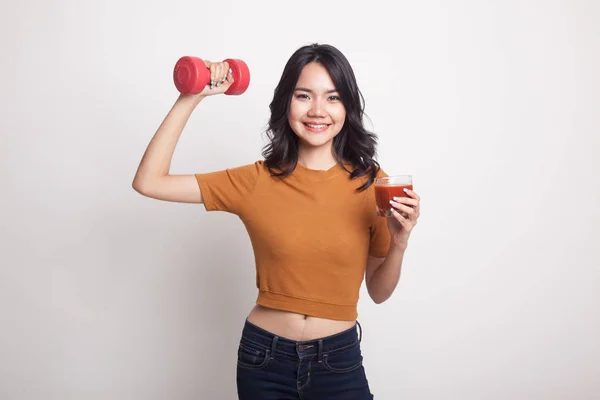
[271,367]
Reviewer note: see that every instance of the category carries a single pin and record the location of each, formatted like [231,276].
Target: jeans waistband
[306,348]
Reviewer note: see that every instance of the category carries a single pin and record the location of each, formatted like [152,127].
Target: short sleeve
[380,234]
[229,189]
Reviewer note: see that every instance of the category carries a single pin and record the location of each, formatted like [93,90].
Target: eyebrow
[310,91]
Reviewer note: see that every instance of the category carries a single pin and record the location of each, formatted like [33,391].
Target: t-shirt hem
[307,307]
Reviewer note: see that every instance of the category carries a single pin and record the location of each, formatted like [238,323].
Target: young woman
[309,209]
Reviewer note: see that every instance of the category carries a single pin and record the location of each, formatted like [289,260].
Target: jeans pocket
[343,360]
[252,356]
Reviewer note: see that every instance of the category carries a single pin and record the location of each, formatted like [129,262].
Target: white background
[491,105]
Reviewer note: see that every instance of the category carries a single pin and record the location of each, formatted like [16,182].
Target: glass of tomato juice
[388,187]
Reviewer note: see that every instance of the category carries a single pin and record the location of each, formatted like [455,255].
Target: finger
[217,75]
[414,203]
[407,200]
[413,194]
[222,73]
[403,220]
[213,71]
[225,72]
[406,209]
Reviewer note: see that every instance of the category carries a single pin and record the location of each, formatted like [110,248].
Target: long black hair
[354,144]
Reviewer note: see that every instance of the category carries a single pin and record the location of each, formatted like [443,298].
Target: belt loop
[320,351]
[360,331]
[273,345]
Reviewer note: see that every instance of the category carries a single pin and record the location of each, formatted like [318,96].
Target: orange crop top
[311,233]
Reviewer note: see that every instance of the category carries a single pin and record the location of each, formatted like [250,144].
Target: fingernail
[392,202]
[230,71]
[397,198]
[405,190]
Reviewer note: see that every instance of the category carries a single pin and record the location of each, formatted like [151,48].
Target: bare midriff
[295,326]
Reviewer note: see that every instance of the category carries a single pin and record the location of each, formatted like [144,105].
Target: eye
[302,96]
[334,98]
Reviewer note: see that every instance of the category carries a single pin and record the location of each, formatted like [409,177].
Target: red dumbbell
[191,75]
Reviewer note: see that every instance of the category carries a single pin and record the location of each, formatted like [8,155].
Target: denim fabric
[270,367]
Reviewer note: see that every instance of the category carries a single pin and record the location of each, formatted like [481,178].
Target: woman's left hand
[405,213]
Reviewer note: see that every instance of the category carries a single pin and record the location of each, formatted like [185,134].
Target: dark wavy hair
[354,144]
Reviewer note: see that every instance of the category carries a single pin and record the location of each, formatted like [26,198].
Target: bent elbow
[378,299]
[139,187]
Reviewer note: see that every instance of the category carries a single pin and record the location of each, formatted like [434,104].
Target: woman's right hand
[221,79]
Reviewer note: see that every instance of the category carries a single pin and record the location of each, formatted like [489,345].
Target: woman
[309,209]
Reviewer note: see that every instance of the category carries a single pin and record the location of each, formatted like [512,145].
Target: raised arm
[153,178]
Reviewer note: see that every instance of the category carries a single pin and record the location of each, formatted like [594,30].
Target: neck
[316,157]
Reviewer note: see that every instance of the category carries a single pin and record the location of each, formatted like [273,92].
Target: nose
[316,109]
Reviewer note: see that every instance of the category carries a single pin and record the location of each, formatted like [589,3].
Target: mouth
[316,127]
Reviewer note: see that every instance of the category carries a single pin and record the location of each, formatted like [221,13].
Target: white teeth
[316,126]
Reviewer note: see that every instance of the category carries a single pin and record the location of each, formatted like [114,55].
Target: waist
[306,348]
[296,326]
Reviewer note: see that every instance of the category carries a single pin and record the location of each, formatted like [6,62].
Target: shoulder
[242,173]
[380,173]
[252,169]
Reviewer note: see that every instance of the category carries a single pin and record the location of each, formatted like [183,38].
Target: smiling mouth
[316,127]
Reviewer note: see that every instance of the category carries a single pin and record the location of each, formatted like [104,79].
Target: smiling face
[316,112]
